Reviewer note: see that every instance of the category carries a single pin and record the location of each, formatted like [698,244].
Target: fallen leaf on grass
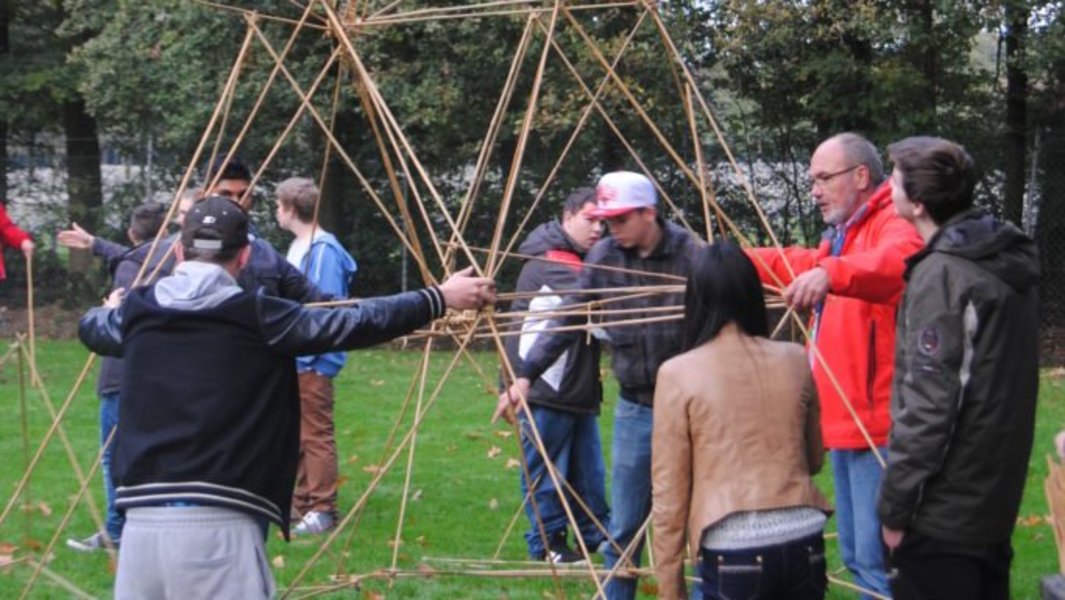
[473,435]
[426,570]
[44,508]
[420,540]
[372,595]
[513,463]
[1032,520]
[503,433]
[278,562]
[494,451]
[377,382]
[354,458]
[416,496]
[493,504]
[371,468]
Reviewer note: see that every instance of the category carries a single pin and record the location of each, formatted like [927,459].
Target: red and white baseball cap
[623,191]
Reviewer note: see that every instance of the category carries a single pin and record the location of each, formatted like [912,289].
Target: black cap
[215,223]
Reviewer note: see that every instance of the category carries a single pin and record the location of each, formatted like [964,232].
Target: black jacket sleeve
[297,330]
[100,329]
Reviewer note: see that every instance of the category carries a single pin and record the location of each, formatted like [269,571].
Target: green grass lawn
[463,487]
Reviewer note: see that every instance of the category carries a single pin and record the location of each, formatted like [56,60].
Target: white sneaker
[314,522]
[96,541]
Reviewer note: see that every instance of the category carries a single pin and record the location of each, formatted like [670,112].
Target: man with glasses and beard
[852,283]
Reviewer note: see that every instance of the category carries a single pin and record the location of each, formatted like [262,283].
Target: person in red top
[851,283]
[12,236]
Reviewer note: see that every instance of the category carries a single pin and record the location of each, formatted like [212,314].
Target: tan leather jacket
[736,428]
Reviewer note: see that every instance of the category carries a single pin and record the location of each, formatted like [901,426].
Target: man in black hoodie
[966,381]
[565,399]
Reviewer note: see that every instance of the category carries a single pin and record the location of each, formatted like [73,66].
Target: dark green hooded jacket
[966,381]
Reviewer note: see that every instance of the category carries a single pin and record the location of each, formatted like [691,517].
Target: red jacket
[856,335]
[10,235]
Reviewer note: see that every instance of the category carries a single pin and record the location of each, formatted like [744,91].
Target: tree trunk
[83,174]
[1014,141]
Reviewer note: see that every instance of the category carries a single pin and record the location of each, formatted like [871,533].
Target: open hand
[75,237]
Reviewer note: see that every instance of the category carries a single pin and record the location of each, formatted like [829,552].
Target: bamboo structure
[434,229]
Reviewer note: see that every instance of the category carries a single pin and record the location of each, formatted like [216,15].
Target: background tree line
[141,79]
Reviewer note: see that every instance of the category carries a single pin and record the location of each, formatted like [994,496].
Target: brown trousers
[316,477]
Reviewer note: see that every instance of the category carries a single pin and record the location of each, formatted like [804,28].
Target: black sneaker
[559,553]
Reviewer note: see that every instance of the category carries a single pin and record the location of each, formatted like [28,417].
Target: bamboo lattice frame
[399,158]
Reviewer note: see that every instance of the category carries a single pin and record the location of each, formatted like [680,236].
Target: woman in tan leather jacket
[736,440]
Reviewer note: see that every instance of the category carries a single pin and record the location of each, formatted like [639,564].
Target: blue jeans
[572,443]
[791,571]
[857,477]
[108,421]
[630,489]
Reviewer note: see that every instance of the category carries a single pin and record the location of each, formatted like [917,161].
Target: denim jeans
[857,475]
[790,571]
[630,489]
[572,442]
[108,421]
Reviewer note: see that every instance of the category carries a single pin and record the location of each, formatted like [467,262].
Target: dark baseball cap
[215,223]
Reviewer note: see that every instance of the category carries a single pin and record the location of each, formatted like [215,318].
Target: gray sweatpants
[191,553]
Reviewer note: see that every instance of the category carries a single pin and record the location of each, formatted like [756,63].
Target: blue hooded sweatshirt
[332,269]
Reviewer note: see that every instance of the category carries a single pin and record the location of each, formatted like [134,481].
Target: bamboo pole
[342,153]
[52,429]
[523,140]
[394,128]
[625,142]
[39,565]
[424,373]
[581,122]
[378,476]
[494,127]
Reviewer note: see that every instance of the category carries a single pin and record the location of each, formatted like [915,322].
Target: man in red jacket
[852,282]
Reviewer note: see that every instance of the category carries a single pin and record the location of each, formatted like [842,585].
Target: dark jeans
[930,569]
[108,421]
[572,443]
[791,571]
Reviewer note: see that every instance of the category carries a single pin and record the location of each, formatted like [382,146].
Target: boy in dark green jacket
[966,381]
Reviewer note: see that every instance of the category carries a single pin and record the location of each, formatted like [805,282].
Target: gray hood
[195,285]
[996,246]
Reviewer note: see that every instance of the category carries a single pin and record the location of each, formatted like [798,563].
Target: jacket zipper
[871,379]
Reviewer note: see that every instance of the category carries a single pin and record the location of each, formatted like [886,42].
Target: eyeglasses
[822,178]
